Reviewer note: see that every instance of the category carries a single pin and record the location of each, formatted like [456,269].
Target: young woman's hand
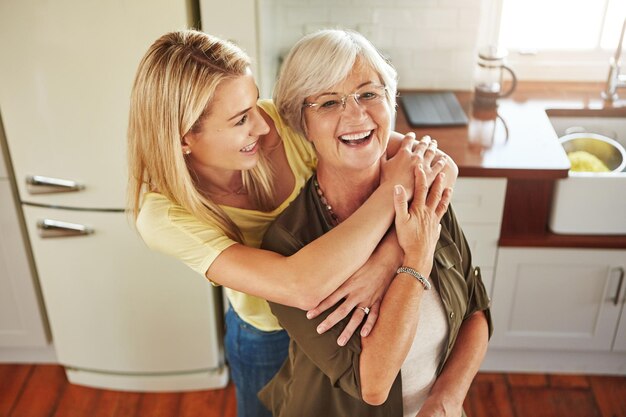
[399,168]
[360,290]
[365,288]
[424,151]
[435,161]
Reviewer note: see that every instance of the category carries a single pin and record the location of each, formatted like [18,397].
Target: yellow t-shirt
[169,228]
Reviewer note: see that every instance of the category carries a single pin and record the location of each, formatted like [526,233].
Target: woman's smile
[358,138]
[251,148]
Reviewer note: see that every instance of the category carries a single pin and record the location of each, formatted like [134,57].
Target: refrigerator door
[21,321]
[123,316]
[66,73]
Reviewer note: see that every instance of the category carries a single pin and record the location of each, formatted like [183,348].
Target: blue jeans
[254,357]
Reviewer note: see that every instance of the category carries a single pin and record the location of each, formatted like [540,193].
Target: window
[559,39]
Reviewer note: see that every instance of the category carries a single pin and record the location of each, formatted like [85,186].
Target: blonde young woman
[211,166]
[433,325]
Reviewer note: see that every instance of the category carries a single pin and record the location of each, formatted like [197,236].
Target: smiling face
[355,138]
[227,139]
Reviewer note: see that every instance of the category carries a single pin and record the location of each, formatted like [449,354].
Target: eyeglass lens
[367,95]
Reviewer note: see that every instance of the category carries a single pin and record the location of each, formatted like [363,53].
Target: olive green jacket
[321,378]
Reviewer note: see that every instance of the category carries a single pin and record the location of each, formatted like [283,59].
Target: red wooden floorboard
[43,391]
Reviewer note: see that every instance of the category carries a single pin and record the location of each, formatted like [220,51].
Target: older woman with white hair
[433,326]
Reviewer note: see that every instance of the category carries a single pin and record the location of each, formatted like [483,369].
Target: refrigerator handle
[37,184]
[48,228]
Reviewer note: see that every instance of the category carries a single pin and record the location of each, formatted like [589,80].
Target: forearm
[470,347]
[385,349]
[312,273]
[323,265]
[388,256]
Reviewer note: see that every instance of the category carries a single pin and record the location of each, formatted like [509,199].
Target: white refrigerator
[122,317]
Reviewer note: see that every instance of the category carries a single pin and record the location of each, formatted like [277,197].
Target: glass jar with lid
[489,76]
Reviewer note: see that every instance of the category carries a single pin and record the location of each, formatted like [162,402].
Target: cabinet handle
[55,228]
[619,285]
[37,184]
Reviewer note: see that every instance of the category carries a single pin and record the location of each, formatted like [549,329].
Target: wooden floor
[43,391]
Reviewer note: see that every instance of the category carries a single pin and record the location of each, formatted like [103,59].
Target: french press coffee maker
[489,75]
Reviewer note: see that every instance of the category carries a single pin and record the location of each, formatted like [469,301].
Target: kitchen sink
[590,203]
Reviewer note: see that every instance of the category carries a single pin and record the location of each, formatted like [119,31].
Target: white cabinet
[559,299]
[478,204]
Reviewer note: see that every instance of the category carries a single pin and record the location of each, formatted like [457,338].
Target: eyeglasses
[329,104]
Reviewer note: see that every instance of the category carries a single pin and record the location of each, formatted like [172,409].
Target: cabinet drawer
[479,200]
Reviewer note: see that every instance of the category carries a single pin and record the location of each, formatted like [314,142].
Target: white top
[419,369]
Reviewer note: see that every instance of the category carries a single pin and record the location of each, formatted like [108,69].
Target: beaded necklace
[328,207]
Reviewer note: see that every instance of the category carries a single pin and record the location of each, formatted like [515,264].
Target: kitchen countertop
[531,159]
[532,150]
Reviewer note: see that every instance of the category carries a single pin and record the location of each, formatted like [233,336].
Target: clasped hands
[367,286]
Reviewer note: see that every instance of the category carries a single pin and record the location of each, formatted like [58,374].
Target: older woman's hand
[434,408]
[418,226]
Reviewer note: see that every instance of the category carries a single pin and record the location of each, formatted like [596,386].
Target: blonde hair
[321,60]
[172,93]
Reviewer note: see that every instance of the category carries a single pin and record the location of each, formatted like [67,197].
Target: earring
[187,151]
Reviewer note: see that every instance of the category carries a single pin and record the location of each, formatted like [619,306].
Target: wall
[431,43]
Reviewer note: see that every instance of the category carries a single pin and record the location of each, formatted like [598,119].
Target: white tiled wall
[432,43]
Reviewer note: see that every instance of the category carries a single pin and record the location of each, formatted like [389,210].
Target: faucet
[615,79]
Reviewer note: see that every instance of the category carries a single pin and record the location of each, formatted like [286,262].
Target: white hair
[321,60]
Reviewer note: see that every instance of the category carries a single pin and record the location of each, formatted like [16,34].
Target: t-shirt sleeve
[170,229]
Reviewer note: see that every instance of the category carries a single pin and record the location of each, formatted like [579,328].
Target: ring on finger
[366,310]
